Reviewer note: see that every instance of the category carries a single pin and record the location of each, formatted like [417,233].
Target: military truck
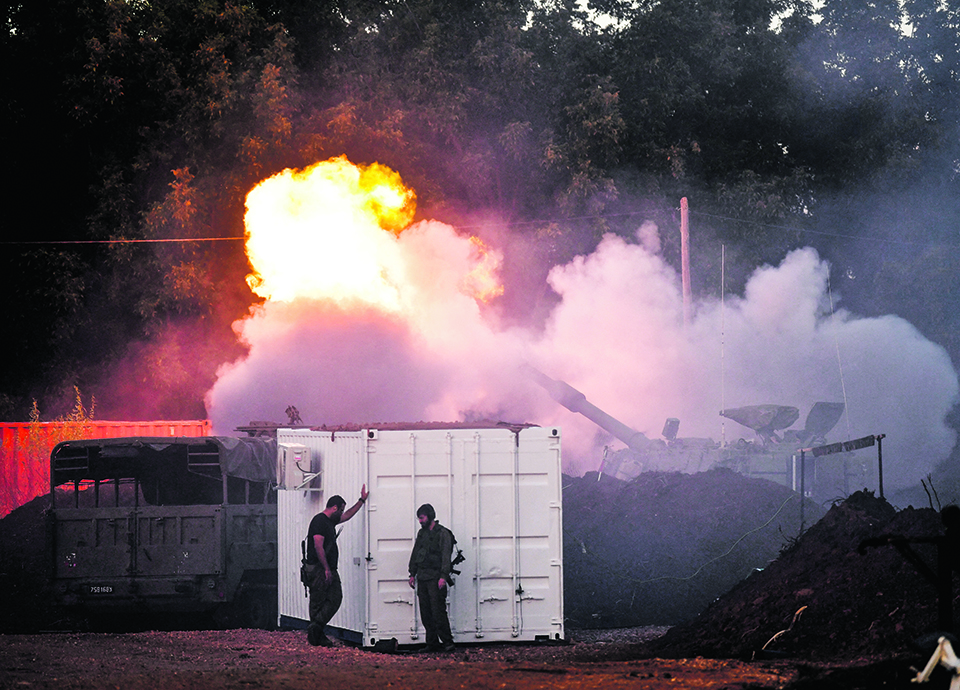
[166,525]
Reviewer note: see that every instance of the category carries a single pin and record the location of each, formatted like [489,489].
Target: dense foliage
[151,119]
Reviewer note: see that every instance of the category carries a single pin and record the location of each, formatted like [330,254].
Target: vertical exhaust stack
[575,401]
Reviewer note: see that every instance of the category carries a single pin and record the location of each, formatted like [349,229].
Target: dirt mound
[657,550]
[824,598]
[25,569]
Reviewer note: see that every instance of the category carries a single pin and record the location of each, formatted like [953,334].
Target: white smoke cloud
[434,358]
[617,335]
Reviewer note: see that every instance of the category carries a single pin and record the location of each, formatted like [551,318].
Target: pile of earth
[653,551]
[829,596]
[25,568]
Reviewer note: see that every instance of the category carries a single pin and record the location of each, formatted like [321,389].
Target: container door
[406,469]
[539,588]
[496,505]
[500,495]
[517,548]
[339,461]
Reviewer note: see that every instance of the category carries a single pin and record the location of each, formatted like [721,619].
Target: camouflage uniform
[429,562]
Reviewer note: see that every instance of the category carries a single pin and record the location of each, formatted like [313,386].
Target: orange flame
[341,232]
[320,233]
[482,281]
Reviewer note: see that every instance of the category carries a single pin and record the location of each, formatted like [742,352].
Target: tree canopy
[128,122]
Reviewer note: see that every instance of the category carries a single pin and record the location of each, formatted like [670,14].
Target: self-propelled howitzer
[575,401]
[642,453]
[773,455]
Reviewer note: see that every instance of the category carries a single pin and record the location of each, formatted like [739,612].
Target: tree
[441,91]
[702,84]
[174,109]
[934,66]
[150,121]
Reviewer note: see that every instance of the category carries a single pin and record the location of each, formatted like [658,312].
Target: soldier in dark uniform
[430,575]
[326,593]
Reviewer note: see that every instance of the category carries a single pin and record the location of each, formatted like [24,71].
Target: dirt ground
[216,660]
[740,598]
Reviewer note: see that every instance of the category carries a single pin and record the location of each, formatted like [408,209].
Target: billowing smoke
[427,349]
[618,336]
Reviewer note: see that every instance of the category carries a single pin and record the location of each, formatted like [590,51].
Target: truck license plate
[101,589]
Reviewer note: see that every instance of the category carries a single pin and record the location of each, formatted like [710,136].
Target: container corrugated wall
[499,490]
[340,460]
[26,448]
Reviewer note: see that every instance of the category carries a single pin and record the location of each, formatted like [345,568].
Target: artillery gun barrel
[575,401]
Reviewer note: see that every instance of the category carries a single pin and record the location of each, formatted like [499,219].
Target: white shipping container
[498,489]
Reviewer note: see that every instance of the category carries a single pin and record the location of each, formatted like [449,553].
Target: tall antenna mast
[685,258]
[723,314]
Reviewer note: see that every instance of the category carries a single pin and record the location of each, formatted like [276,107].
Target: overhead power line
[520,223]
[821,232]
[125,241]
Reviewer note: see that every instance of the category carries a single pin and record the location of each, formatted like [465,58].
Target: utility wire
[521,223]
[711,561]
[820,232]
[713,216]
[124,241]
[723,555]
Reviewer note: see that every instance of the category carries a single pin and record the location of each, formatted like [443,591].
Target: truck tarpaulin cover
[253,459]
